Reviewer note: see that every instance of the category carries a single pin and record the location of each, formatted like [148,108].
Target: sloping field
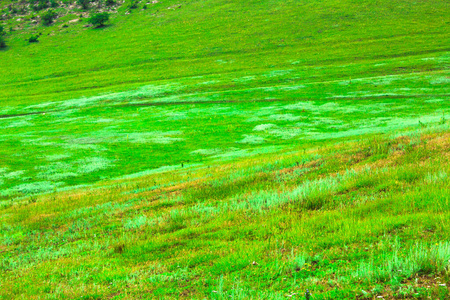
[122,116]
[227,150]
[346,220]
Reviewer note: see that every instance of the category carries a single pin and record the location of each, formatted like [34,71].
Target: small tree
[99,20]
[48,17]
[84,3]
[42,4]
[2,39]
[110,2]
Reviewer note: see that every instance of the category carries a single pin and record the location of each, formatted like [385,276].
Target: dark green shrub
[110,2]
[2,43]
[133,4]
[48,17]
[83,3]
[33,39]
[99,20]
[13,9]
[2,39]
[42,4]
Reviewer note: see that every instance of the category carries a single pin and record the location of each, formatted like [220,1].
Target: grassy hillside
[300,71]
[217,149]
[203,38]
[346,220]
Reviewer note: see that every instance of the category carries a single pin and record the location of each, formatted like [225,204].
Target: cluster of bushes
[48,17]
[38,5]
[27,6]
[86,3]
[43,4]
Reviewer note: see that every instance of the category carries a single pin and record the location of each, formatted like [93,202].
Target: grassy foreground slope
[211,80]
[347,220]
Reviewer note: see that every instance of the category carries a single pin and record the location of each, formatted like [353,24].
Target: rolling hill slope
[226,150]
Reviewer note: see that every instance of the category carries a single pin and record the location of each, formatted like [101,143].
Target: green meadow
[226,150]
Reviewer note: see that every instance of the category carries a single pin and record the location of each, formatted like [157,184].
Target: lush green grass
[219,38]
[363,218]
[78,146]
[361,74]
[246,150]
